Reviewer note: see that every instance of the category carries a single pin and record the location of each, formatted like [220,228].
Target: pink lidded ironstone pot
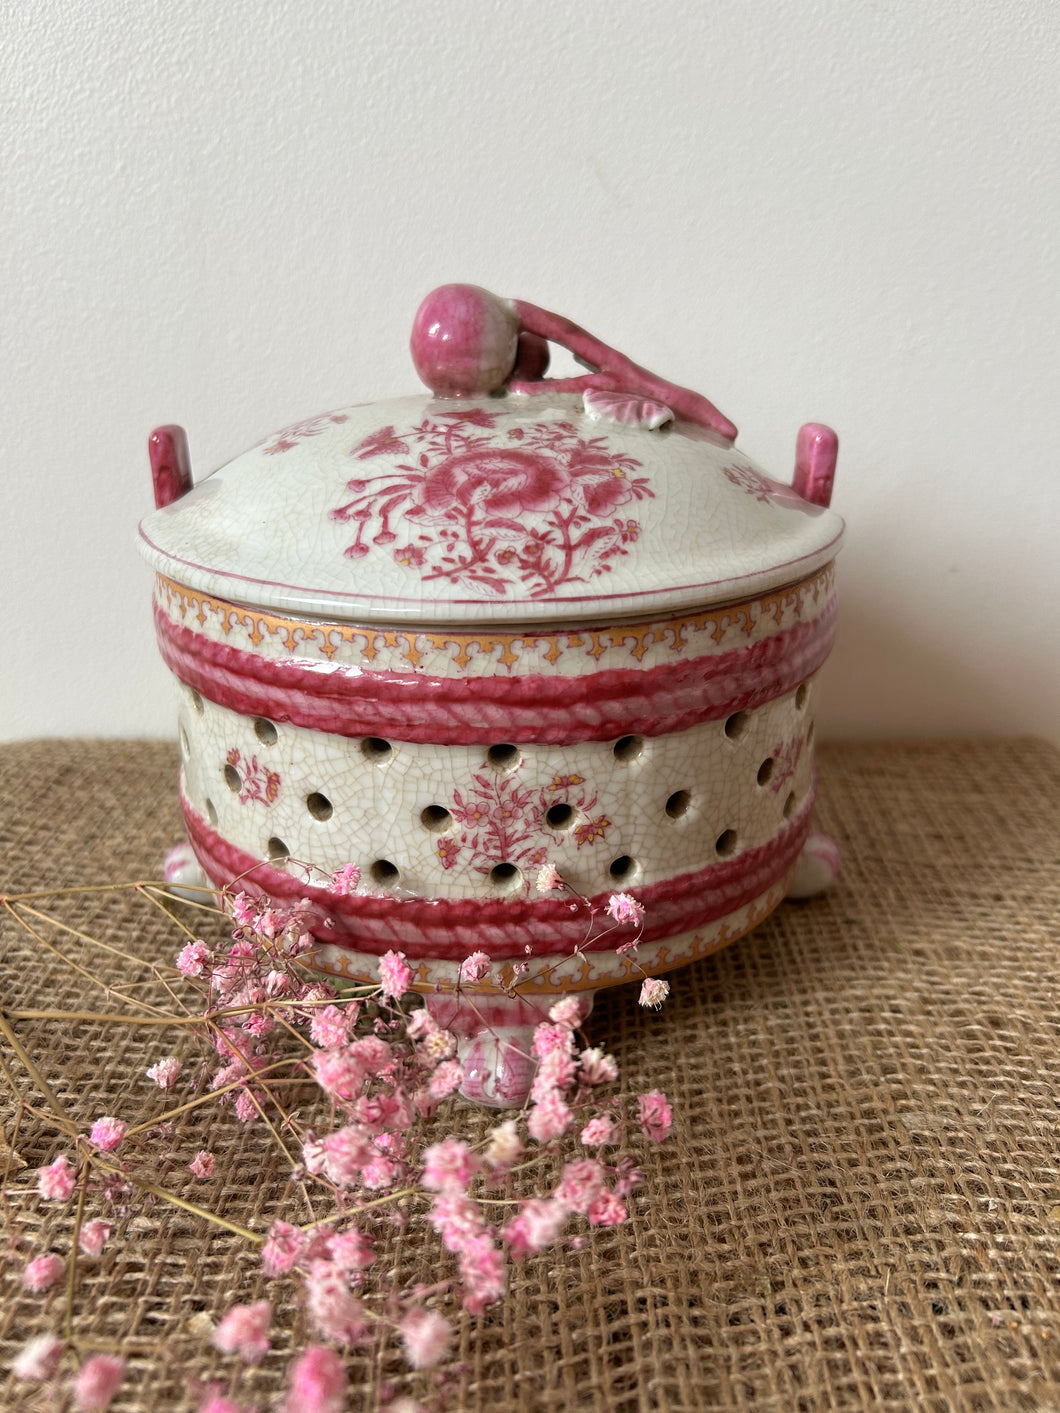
[520,670]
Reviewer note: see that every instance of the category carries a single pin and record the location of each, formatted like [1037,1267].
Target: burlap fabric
[860,1203]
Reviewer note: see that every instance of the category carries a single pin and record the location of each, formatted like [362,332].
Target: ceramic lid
[543,505]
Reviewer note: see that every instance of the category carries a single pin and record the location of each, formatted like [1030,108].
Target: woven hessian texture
[860,1203]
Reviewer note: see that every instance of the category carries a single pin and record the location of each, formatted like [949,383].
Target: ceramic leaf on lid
[501,494]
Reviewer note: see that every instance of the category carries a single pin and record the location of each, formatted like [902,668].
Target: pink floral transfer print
[505,822]
[785,763]
[542,508]
[763,489]
[288,437]
[256,782]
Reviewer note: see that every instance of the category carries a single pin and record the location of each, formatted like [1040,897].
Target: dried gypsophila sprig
[385,1073]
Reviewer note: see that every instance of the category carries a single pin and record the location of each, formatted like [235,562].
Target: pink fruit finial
[464,341]
[170,464]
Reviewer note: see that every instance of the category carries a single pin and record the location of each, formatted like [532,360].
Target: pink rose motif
[499,484]
[603,491]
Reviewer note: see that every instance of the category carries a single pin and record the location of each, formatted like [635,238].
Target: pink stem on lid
[623,375]
[816,450]
[170,464]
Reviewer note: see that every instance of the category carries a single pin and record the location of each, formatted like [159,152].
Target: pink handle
[816,450]
[467,342]
[170,464]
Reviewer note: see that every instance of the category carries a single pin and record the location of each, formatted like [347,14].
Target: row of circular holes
[504,757]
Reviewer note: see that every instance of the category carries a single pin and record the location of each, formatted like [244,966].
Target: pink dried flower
[192,959]
[93,1237]
[607,1210]
[56,1181]
[203,1165]
[165,1072]
[107,1133]
[549,1118]
[39,1359]
[379,1173]
[654,991]
[244,1331]
[42,1272]
[345,880]
[338,1072]
[654,1114]
[335,1312]
[318,1383]
[97,1382]
[556,1071]
[449,1166]
[547,879]
[346,1151]
[550,1036]
[283,1248]
[350,1251]
[395,974]
[329,1026]
[439,1045]
[420,1024]
[371,1052]
[246,1109]
[625,908]
[536,1225]
[242,909]
[475,967]
[426,1335]
[482,1272]
[505,1146]
[581,1182]
[447,1077]
[567,1012]
[598,1068]
[598,1131]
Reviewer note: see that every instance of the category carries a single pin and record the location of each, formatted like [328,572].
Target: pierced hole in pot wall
[559,816]
[232,779]
[278,850]
[196,702]
[211,812]
[265,731]
[789,806]
[383,872]
[503,757]
[375,749]
[629,747]
[185,749]
[736,725]
[318,805]
[765,770]
[678,804]
[436,818]
[801,695]
[811,733]
[623,867]
[505,877]
[726,843]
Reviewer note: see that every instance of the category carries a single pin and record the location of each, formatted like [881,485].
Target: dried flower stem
[35,1074]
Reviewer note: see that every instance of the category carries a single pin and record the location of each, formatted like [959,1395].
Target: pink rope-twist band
[533,709]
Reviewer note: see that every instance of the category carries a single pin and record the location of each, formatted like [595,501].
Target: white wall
[225,215]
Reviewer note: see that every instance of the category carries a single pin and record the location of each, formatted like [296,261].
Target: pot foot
[817,869]
[182,874]
[495,1036]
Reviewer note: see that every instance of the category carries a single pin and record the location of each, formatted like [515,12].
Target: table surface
[860,1202]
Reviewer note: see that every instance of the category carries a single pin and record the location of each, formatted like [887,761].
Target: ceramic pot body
[507,660]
